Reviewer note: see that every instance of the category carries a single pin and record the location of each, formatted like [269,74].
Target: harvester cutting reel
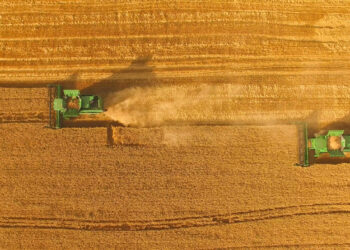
[334,144]
[69,103]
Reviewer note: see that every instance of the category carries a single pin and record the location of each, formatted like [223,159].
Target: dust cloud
[169,105]
[226,104]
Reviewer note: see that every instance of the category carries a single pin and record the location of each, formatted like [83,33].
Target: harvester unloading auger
[333,144]
[70,103]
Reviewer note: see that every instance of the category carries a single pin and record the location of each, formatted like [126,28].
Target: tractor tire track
[306,246]
[176,223]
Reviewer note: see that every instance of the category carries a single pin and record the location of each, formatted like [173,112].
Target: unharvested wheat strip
[54,75]
[241,65]
[202,5]
[24,117]
[62,46]
[141,22]
[25,93]
[189,58]
[18,105]
[23,104]
[242,28]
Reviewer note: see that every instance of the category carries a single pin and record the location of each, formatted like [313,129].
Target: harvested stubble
[70,180]
[206,136]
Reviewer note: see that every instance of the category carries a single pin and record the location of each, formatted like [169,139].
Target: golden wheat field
[197,148]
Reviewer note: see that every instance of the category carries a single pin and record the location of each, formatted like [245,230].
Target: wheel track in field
[224,43]
[69,7]
[181,67]
[176,223]
[305,246]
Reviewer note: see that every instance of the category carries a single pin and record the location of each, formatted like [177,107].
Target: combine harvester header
[333,144]
[70,104]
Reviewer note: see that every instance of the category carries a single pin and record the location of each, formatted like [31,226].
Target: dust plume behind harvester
[69,103]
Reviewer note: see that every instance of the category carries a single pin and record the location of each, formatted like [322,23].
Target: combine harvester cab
[333,144]
[71,104]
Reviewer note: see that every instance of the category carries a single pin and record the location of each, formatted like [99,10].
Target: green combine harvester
[69,104]
[333,144]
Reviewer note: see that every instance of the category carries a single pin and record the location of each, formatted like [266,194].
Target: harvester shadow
[326,160]
[137,74]
[343,124]
[315,127]
[69,83]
